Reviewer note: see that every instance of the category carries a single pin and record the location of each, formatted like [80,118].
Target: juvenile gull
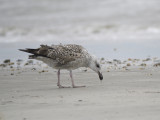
[70,57]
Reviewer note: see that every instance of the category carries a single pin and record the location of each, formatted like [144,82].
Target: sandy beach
[27,94]
[123,34]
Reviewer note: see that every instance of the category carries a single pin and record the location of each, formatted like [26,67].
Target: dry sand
[122,95]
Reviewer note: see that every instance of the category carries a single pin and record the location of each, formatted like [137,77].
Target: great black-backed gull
[70,57]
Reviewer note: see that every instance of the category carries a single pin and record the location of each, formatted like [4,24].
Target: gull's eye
[98,66]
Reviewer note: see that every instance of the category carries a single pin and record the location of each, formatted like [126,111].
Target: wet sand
[122,95]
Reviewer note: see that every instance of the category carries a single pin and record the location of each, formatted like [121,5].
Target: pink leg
[58,84]
[73,85]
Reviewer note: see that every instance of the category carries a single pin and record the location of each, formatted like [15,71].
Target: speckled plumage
[65,54]
[70,56]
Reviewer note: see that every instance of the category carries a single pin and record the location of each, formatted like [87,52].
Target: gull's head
[95,66]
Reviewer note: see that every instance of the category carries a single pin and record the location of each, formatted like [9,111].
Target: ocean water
[107,28]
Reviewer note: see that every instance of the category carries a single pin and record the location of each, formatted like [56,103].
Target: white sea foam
[132,27]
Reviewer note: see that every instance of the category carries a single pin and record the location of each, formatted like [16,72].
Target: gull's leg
[58,74]
[73,85]
[58,84]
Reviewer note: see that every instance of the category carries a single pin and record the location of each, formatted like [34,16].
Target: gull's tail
[34,52]
[42,51]
[28,50]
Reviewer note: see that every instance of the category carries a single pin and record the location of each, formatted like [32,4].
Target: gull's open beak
[100,75]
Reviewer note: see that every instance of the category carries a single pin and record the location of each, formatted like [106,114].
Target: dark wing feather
[60,53]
